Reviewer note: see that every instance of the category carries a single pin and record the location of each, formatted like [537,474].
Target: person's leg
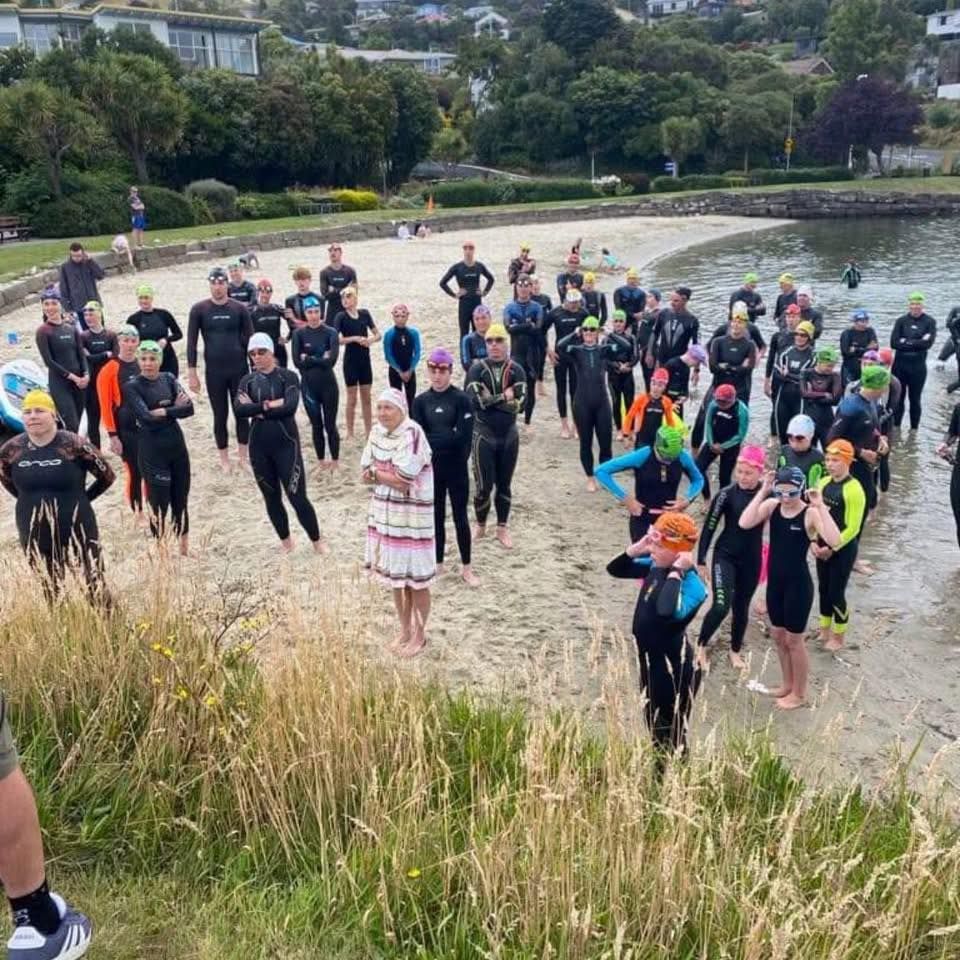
[157,480]
[330,401]
[583,419]
[955,497]
[728,460]
[615,385]
[746,578]
[133,479]
[410,388]
[440,509]
[504,465]
[419,601]
[883,472]
[393,378]
[179,499]
[800,669]
[662,691]
[687,681]
[465,307]
[293,479]
[458,487]
[901,373]
[916,393]
[561,375]
[268,481]
[721,575]
[315,415]
[218,393]
[366,410]
[404,611]
[92,402]
[841,568]
[705,456]
[65,396]
[603,427]
[352,392]
[483,478]
[823,597]
[530,400]
[243,423]
[699,425]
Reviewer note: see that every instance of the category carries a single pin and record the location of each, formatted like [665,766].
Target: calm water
[911,543]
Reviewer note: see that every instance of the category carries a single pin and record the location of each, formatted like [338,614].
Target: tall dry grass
[212,738]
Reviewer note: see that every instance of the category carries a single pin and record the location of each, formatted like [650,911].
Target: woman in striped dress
[400,527]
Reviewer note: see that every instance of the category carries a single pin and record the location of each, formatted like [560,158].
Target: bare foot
[416,645]
[863,566]
[398,642]
[737,661]
[833,644]
[503,535]
[185,546]
[321,547]
[541,389]
[779,693]
[592,485]
[790,702]
[469,577]
[824,635]
[225,464]
[479,531]
[441,569]
[565,431]
[334,466]
[286,546]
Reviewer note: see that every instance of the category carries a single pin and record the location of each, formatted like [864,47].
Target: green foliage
[167,208]
[800,175]
[874,37]
[564,23]
[449,146]
[15,63]
[416,104]
[92,203]
[262,206]
[681,136]
[352,200]
[943,115]
[221,198]
[484,193]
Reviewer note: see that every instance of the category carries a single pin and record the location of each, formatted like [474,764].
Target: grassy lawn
[16,259]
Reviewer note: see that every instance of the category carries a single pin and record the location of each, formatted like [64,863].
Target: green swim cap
[669,442]
[916,297]
[874,377]
[828,355]
[620,315]
[751,278]
[145,290]
[591,323]
[150,346]
[130,331]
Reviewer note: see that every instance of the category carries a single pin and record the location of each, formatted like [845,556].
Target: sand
[547,622]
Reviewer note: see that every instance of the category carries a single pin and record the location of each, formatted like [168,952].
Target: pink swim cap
[753,456]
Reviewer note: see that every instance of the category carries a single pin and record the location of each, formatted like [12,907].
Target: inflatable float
[17,379]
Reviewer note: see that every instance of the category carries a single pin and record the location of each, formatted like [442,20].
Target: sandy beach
[547,621]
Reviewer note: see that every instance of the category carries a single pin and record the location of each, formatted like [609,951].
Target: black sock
[37,909]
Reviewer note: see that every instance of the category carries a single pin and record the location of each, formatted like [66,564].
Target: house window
[137,27]
[235,52]
[191,47]
[41,38]
[943,21]
[8,40]
[70,35]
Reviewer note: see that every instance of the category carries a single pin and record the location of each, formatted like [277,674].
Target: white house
[945,25]
[668,8]
[492,24]
[426,61]
[475,13]
[200,40]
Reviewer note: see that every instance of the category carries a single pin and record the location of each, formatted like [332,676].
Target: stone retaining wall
[800,204]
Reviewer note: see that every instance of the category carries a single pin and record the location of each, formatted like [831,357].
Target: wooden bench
[13,228]
[315,207]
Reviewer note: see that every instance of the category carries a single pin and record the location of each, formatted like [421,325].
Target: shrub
[541,191]
[706,181]
[400,202]
[942,115]
[352,200]
[59,220]
[667,184]
[25,192]
[167,208]
[220,197]
[264,206]
[639,181]
[202,214]
[484,193]
[763,177]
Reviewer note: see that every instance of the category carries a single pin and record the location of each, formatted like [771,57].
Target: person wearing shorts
[357,332]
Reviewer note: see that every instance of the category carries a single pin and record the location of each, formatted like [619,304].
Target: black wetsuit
[541,360]
[275,456]
[672,334]
[121,423]
[631,300]
[158,324]
[55,522]
[99,347]
[833,574]
[858,421]
[496,442]
[666,604]
[268,318]
[821,392]
[357,368]
[753,333]
[787,398]
[564,322]
[226,328]
[784,300]
[815,317]
[333,281]
[953,432]
[61,350]
[789,584]
[164,460]
[678,384]
[315,351]
[853,345]
[447,420]
[468,277]
[293,308]
[244,292]
[568,281]
[737,558]
[591,402]
[524,321]
[595,303]
[753,300]
[727,356]
[622,355]
[911,337]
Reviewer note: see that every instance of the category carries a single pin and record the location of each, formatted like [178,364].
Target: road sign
[789,144]
[670,167]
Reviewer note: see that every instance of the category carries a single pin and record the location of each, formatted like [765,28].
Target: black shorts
[789,600]
[357,369]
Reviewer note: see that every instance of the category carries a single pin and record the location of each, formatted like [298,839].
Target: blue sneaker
[70,941]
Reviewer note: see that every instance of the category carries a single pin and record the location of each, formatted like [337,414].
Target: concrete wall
[788,204]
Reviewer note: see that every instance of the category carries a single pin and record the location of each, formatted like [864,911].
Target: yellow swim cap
[496,331]
[39,400]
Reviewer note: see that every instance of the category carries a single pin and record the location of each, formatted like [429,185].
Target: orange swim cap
[842,450]
[677,531]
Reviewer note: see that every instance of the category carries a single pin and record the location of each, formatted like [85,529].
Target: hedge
[221,197]
[352,200]
[486,193]
[266,206]
[167,209]
[759,177]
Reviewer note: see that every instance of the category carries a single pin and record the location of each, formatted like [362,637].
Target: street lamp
[860,76]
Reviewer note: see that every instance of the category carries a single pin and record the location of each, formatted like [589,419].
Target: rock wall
[799,204]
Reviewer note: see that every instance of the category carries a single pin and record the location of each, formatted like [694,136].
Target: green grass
[16,259]
[202,805]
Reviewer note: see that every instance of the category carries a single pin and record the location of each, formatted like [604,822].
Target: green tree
[756,123]
[123,39]
[576,25]
[680,137]
[44,124]
[139,104]
[874,37]
[611,106]
[449,147]
[416,106]
[15,62]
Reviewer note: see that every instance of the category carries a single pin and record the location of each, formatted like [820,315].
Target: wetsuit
[468,277]
[447,419]
[520,267]
[547,304]
[678,384]
[595,303]
[672,334]
[244,292]
[784,300]
[885,407]
[858,421]
[524,322]
[851,276]
[158,324]
[656,483]
[267,318]
[953,433]
[736,563]
[569,281]
[632,301]
[622,355]
[815,317]
[732,360]
[789,584]
[821,392]
[787,398]
[564,322]
[847,504]
[55,521]
[911,337]
[496,442]
[753,333]
[753,300]
[472,347]
[591,402]
[643,331]
[728,429]
[853,345]
[401,350]
[99,348]
[646,415]
[61,350]
[275,455]
[315,351]
[164,460]
[119,421]
[357,369]
[666,604]
[226,328]
[950,348]
[333,281]
[293,308]
[810,462]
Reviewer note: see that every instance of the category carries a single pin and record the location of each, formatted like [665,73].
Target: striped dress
[400,527]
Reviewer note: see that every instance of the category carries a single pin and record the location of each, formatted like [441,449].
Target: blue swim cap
[311,303]
[859,314]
